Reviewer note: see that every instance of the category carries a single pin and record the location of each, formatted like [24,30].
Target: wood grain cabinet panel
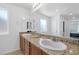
[27,50]
[22,44]
[34,50]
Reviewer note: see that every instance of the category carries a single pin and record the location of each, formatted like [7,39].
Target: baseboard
[10,51]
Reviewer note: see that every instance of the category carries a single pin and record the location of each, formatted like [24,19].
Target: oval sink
[53,45]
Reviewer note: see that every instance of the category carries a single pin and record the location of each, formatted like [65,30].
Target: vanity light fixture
[36,6]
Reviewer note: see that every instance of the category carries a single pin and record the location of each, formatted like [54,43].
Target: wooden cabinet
[28,48]
[22,44]
[34,50]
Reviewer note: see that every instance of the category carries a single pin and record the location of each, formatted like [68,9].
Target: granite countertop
[72,48]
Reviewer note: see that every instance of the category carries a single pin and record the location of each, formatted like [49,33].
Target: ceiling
[51,9]
[24,5]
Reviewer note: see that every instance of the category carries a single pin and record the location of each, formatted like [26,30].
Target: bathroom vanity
[29,44]
[29,48]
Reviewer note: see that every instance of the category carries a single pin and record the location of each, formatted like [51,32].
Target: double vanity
[40,44]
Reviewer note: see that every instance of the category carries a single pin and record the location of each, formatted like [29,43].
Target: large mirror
[57,20]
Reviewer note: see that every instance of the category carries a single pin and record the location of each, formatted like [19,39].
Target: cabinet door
[22,45]
[26,47]
[34,50]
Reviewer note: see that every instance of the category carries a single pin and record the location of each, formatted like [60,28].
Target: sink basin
[53,45]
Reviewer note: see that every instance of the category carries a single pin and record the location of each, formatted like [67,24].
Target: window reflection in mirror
[43,25]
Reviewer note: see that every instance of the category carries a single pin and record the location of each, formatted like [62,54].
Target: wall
[10,41]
